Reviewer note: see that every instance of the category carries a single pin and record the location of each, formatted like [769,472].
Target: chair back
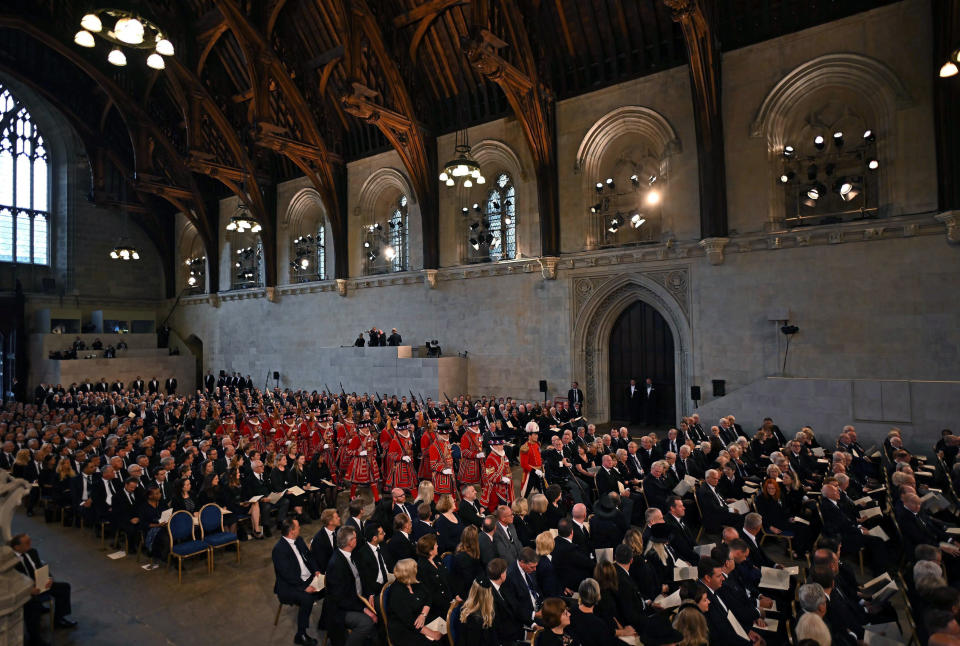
[211,519]
[180,527]
[447,560]
[453,622]
[384,598]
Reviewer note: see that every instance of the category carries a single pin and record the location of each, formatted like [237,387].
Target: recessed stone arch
[377,187]
[591,337]
[876,89]
[633,120]
[305,214]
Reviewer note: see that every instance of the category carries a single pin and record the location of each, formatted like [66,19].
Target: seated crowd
[594,539]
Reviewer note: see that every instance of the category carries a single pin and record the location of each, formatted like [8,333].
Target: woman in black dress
[777,517]
[408,607]
[297,477]
[434,577]
[521,520]
[585,625]
[660,556]
[447,524]
[466,562]
[182,500]
[556,621]
[477,616]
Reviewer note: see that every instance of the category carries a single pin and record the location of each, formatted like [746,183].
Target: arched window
[24,191]
[500,213]
[246,263]
[398,230]
[308,259]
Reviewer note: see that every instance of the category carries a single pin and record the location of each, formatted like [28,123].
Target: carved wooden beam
[398,123]
[703,53]
[533,104]
[321,168]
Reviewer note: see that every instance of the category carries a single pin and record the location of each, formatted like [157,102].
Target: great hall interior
[294,267]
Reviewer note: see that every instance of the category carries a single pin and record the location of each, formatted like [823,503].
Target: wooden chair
[183,541]
[384,598]
[453,622]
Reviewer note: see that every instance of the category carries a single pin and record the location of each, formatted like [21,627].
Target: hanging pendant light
[462,167]
[124,250]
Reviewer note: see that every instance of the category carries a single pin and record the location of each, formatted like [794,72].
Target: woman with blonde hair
[691,622]
[425,494]
[640,571]
[521,520]
[408,607]
[546,574]
[23,467]
[811,626]
[65,474]
[477,615]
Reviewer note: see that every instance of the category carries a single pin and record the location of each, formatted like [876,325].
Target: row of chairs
[184,543]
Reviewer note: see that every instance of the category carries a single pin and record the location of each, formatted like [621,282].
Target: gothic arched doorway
[641,346]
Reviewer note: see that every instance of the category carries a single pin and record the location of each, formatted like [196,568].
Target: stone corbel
[214,299]
[272,294]
[342,286]
[714,248]
[432,278]
[952,221]
[548,267]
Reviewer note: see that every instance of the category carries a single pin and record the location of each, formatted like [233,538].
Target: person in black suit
[400,546]
[407,609]
[572,563]
[29,562]
[295,569]
[649,396]
[853,536]
[721,629]
[520,590]
[126,511]
[750,533]
[370,561]
[488,529]
[575,396]
[345,609]
[713,506]
[634,398]
[683,539]
[655,487]
[916,525]
[171,385]
[842,613]
[470,511]
[209,381]
[325,541]
[137,385]
[104,489]
[607,477]
[423,525]
[509,621]
[153,386]
[630,605]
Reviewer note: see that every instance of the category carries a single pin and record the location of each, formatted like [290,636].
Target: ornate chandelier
[125,252]
[462,168]
[129,31]
[241,222]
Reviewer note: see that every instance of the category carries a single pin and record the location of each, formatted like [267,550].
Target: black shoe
[63,622]
[304,639]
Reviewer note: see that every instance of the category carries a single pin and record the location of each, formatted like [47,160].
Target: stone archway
[599,306]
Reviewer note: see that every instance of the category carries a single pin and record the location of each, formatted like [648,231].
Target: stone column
[14,587]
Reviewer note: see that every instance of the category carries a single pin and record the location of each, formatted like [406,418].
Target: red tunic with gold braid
[495,490]
[400,472]
[308,439]
[441,459]
[253,430]
[471,458]
[346,431]
[329,449]
[385,436]
[229,429]
[362,469]
[426,441]
[530,462]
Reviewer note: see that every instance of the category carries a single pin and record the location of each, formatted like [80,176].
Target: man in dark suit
[355,508]
[104,489]
[344,609]
[370,561]
[295,570]
[325,541]
[853,536]
[649,396]
[630,605]
[655,487]
[400,546]
[571,562]
[713,506]
[422,525]
[750,533]
[171,385]
[607,477]
[137,385]
[153,386]
[28,564]
[506,541]
[648,453]
[842,613]
[521,590]
[916,525]
[682,538]
[470,511]
[671,443]
[209,381]
[509,624]
[487,529]
[634,402]
[719,622]
[574,396]
[126,514]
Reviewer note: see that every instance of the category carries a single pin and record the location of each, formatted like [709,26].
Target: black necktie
[383,566]
[533,588]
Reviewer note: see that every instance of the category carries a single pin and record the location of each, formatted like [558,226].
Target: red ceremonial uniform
[362,469]
[441,459]
[308,439]
[329,449]
[495,490]
[426,441]
[345,433]
[400,472]
[530,462]
[471,458]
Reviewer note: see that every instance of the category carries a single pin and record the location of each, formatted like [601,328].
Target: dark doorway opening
[195,345]
[641,346]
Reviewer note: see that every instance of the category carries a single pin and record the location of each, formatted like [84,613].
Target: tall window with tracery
[398,232]
[309,257]
[24,190]
[501,219]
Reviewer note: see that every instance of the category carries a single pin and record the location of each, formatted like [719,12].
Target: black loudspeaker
[719,387]
[276,375]
[695,393]
[543,385]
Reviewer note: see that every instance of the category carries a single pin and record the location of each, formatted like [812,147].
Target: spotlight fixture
[818,142]
[192,281]
[596,207]
[474,226]
[812,172]
[849,189]
[873,164]
[476,207]
[813,193]
[787,176]
[610,183]
[475,244]
[366,244]
[838,139]
[637,220]
[599,187]
[869,135]
[635,180]
[829,169]
[788,151]
[653,197]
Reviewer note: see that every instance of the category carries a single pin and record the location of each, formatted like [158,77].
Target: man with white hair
[854,537]
[713,506]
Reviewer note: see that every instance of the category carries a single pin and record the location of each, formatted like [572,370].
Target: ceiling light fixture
[130,31]
[462,167]
[84,38]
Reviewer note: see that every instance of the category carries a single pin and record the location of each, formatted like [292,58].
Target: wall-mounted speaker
[695,393]
[719,387]
[543,385]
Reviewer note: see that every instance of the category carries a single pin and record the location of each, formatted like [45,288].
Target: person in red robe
[471,455]
[426,441]
[497,478]
[363,468]
[329,447]
[308,436]
[441,463]
[227,427]
[532,463]
[398,460]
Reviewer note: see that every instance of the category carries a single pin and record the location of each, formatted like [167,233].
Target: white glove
[407,458]
[480,454]
[505,480]
[326,446]
[538,472]
[449,472]
[363,454]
